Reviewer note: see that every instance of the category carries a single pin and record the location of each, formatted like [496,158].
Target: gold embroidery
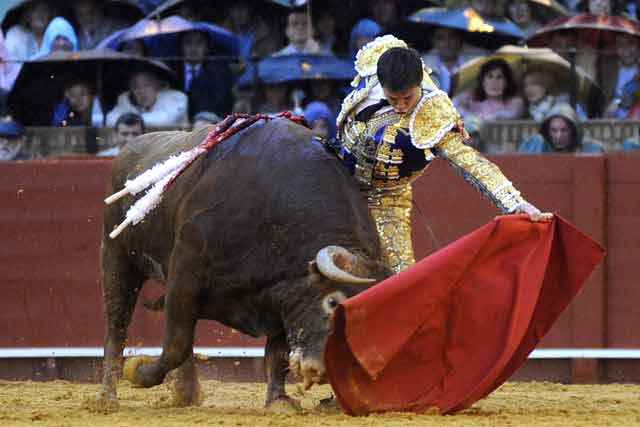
[386,172]
[381,120]
[386,184]
[433,117]
[389,155]
[487,175]
[391,211]
[367,57]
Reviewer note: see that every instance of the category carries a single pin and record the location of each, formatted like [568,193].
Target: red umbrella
[598,31]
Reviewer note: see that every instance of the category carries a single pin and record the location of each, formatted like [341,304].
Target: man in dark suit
[207,81]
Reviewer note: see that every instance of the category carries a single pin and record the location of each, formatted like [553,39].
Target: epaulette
[432,118]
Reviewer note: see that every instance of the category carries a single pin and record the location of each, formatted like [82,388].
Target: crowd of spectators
[203,88]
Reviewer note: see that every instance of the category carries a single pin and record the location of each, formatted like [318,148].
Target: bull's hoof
[186,394]
[284,405]
[130,369]
[328,404]
[103,403]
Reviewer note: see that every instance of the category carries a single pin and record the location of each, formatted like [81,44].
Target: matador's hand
[533,213]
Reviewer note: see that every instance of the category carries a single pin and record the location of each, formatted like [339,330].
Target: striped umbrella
[598,31]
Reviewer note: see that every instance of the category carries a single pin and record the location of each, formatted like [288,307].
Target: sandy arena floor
[60,403]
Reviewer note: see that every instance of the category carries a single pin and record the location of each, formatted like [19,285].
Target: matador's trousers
[391,211]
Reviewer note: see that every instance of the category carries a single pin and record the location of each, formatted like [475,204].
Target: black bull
[238,238]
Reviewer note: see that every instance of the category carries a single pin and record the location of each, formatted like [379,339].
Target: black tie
[366,113]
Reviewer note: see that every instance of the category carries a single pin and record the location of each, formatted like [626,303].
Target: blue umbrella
[485,31]
[290,3]
[161,37]
[296,68]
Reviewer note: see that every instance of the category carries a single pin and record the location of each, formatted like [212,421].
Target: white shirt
[625,75]
[190,73]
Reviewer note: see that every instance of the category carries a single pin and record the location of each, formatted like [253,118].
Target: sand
[61,403]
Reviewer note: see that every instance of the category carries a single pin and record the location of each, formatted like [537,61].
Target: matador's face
[403,100]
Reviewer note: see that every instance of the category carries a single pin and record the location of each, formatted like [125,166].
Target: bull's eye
[331,301]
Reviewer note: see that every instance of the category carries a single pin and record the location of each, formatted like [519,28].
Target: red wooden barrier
[50,229]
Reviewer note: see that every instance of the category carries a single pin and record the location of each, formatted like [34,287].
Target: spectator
[298,34]
[12,140]
[325,29]
[596,64]
[519,11]
[133,47]
[571,5]
[128,127]
[189,11]
[634,101]
[204,119]
[494,97]
[276,99]
[24,41]
[631,144]
[326,91]
[623,70]
[93,25]
[8,74]
[321,120]
[80,107]
[563,43]
[259,39]
[561,132]
[149,97]
[486,7]
[364,31]
[206,82]
[631,10]
[59,35]
[448,53]
[385,13]
[601,7]
[537,93]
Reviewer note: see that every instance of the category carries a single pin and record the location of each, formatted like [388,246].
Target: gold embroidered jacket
[391,150]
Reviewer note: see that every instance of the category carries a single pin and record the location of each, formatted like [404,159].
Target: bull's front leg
[181,312]
[276,363]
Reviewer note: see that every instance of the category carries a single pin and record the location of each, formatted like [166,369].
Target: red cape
[452,328]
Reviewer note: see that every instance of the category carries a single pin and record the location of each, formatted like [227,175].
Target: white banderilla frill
[158,176]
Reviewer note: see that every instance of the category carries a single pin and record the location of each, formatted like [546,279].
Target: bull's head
[335,275]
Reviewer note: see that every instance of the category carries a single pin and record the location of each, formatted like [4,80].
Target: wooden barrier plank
[623,226]
[51,218]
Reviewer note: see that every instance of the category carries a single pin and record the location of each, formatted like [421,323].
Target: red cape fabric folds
[452,328]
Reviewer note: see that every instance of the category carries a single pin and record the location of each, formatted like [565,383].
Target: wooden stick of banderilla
[115,196]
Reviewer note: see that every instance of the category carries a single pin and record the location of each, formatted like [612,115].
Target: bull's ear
[313,267]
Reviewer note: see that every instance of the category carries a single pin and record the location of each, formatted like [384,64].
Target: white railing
[238,352]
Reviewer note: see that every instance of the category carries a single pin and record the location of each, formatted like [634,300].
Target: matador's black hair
[399,68]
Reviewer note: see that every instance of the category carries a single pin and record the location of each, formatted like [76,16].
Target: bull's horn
[326,264]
